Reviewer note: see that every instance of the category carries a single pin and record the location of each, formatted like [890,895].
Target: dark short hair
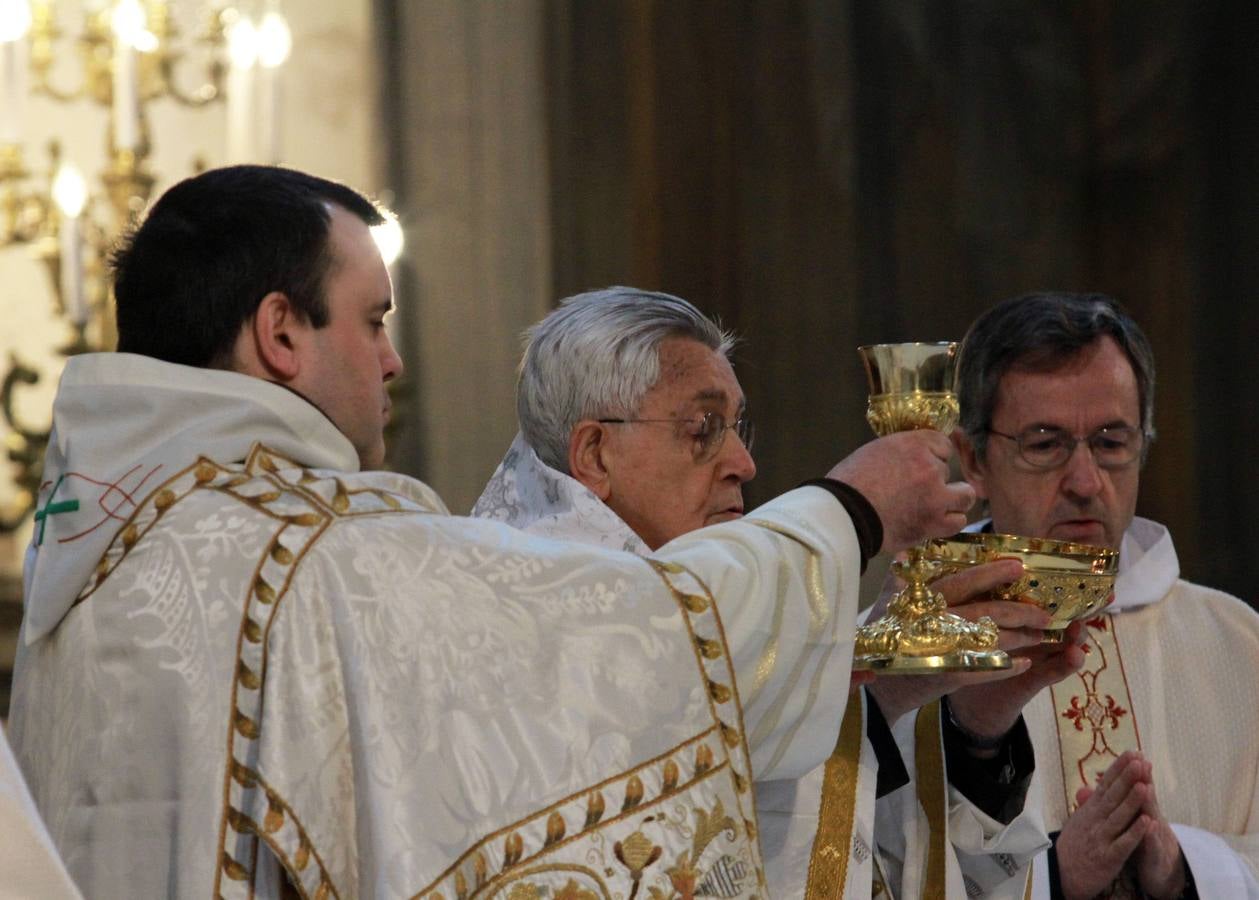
[197,266]
[1040,332]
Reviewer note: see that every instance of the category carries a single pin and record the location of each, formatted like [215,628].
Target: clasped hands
[1119,824]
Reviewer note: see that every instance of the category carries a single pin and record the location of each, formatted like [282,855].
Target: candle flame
[128,22]
[242,43]
[69,189]
[275,41]
[15,20]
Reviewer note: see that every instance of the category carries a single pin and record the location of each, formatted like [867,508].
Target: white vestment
[526,493]
[239,650]
[29,865]
[1171,669]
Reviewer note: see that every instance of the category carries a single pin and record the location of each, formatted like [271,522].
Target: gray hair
[1040,332]
[595,356]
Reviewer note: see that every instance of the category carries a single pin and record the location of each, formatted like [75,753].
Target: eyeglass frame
[1072,441]
[742,427]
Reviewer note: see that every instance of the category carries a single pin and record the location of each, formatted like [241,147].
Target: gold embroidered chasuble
[240,654]
[1170,670]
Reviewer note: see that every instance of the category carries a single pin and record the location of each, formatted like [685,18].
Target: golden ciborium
[1069,581]
[914,386]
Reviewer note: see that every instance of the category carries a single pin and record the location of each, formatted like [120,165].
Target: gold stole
[1093,711]
[828,865]
[929,763]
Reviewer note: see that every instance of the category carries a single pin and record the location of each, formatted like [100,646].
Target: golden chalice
[914,386]
[1069,581]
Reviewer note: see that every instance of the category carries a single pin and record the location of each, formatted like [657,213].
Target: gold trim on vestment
[832,846]
[303,517]
[713,753]
[593,795]
[743,781]
[241,785]
[929,761]
[293,864]
[587,872]
[1093,711]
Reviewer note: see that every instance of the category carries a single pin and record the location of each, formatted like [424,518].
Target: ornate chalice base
[1069,581]
[889,413]
[919,635]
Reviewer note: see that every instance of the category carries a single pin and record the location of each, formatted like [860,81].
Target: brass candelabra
[130,54]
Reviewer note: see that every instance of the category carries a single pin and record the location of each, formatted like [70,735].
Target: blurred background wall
[824,174]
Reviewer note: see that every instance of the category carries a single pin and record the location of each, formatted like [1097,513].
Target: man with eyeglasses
[634,431]
[1149,767]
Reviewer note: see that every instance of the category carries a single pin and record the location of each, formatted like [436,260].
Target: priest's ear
[587,457]
[973,468]
[272,342]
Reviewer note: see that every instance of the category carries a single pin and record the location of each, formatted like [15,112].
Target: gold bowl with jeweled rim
[1069,581]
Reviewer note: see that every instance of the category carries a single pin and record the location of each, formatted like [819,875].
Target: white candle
[69,190]
[128,23]
[126,109]
[15,21]
[10,96]
[242,48]
[274,44]
[269,119]
[72,271]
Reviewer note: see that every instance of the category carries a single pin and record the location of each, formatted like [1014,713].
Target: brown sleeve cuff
[865,519]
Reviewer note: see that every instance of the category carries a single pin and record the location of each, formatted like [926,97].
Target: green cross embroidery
[51,509]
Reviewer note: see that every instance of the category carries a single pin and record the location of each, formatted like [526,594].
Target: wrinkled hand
[1160,868]
[904,476]
[1106,829]
[990,710]
[1020,625]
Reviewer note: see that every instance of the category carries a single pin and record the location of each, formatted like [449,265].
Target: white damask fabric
[239,650]
[526,493]
[1172,667]
[994,858]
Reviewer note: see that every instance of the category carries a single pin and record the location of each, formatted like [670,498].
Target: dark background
[825,174]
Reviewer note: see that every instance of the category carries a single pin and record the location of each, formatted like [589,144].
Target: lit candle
[69,190]
[242,51]
[15,21]
[274,44]
[127,21]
